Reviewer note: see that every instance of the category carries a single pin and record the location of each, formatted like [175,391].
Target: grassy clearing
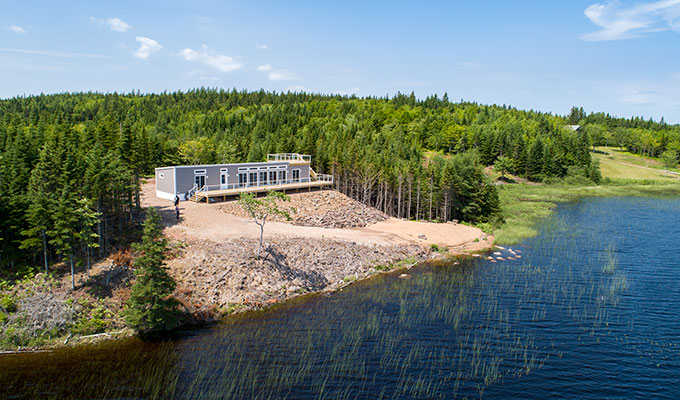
[617,164]
[525,205]
[625,174]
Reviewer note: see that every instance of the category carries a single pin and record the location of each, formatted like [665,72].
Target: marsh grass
[451,331]
[525,206]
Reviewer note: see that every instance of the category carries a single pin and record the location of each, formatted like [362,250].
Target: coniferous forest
[71,164]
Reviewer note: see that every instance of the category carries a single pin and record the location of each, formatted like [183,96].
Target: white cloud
[641,97]
[49,53]
[147,47]
[620,22]
[115,23]
[217,61]
[265,68]
[283,75]
[262,46]
[16,29]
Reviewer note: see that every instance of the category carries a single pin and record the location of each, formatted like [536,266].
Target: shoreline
[69,341]
[540,200]
[526,206]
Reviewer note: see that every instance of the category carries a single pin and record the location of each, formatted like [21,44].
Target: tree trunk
[399,196]
[259,249]
[45,250]
[431,188]
[137,202]
[410,197]
[99,228]
[73,274]
[418,202]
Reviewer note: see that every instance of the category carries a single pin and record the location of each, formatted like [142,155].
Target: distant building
[205,182]
[575,128]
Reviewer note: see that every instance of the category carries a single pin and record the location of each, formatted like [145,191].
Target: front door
[242,179]
[252,179]
[224,178]
[199,180]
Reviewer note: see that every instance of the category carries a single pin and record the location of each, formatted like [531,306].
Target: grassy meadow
[618,164]
[624,174]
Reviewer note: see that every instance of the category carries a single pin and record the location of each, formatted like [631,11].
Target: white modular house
[207,182]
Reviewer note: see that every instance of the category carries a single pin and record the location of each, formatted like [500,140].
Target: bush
[8,304]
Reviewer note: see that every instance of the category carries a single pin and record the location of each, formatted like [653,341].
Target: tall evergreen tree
[151,306]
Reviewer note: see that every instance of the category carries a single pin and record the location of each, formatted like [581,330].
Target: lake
[588,311]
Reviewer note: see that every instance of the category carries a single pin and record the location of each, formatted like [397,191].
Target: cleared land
[618,164]
[215,264]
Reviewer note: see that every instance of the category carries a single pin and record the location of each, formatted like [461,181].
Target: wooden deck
[223,194]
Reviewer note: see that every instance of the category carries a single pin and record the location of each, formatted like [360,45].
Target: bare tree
[260,209]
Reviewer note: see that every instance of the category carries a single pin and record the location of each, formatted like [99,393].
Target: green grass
[526,205]
[617,164]
[625,174]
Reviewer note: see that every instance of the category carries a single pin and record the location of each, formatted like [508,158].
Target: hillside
[620,164]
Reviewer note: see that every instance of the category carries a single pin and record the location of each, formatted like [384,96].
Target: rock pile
[326,209]
[227,273]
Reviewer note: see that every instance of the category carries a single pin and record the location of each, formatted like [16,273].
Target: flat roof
[226,165]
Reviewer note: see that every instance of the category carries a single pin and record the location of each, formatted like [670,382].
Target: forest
[71,164]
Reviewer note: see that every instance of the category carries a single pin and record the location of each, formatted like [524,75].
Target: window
[282,176]
[161,175]
[199,172]
[263,178]
[296,175]
[224,179]
[272,177]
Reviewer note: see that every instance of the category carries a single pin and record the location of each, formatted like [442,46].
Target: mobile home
[206,182]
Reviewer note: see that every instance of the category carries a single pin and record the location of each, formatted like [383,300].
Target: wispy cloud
[49,53]
[641,97]
[262,46]
[618,21]
[283,75]
[265,68]
[147,47]
[16,29]
[206,56]
[115,23]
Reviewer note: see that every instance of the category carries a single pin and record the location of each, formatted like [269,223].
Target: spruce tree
[151,306]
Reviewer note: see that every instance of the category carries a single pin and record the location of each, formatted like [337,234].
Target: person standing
[176,200]
[177,211]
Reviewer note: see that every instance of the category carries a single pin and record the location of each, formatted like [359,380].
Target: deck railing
[295,157]
[279,183]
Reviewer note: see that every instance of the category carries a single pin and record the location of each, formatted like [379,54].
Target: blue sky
[619,57]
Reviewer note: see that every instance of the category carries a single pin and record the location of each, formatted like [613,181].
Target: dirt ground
[215,263]
[207,221]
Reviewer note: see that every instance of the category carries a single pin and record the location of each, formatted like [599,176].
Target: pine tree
[64,229]
[535,161]
[151,306]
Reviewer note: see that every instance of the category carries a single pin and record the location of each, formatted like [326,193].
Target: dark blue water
[589,311]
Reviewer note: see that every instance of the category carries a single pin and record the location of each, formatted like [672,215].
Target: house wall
[165,183]
[182,178]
